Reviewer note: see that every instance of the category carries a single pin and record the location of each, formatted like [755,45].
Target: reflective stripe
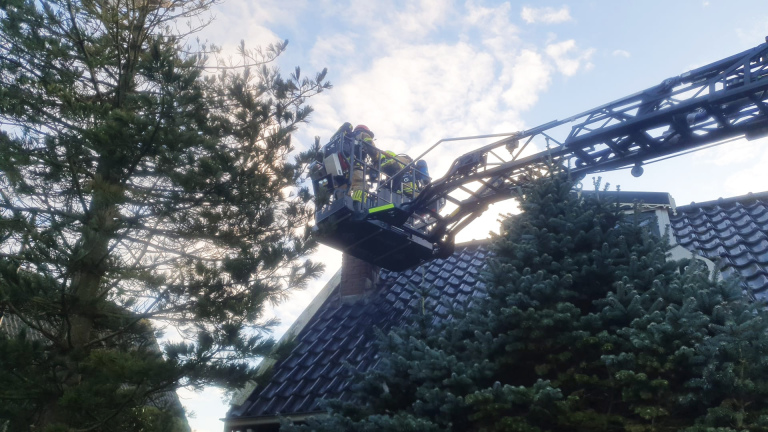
[358,195]
[381,208]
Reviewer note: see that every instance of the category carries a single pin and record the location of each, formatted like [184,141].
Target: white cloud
[270,12]
[620,53]
[730,153]
[332,49]
[530,76]
[420,18]
[752,178]
[494,25]
[413,92]
[745,162]
[251,20]
[364,14]
[479,14]
[419,93]
[568,58]
[546,15]
[384,26]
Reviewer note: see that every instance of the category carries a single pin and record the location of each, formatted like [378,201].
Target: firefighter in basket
[404,179]
[365,152]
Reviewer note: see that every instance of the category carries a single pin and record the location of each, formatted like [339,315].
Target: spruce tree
[142,189]
[585,325]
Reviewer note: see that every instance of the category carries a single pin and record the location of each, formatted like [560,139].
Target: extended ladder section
[721,101]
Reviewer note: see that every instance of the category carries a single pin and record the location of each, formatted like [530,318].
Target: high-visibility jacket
[391,164]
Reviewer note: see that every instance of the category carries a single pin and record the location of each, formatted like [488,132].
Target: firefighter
[422,174]
[412,179]
[392,165]
[340,146]
[364,148]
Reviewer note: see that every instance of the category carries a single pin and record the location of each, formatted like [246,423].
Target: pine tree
[141,189]
[585,326]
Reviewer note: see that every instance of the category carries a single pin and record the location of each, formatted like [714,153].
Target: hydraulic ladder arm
[724,100]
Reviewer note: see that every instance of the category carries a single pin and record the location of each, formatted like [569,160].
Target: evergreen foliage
[585,326]
[141,185]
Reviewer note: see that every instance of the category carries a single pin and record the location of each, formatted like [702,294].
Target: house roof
[731,232]
[342,335]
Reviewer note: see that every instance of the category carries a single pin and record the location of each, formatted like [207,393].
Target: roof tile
[733,233]
[344,333]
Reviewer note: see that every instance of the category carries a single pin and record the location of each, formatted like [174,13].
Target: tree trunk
[88,266]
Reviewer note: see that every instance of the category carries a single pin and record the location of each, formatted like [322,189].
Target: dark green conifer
[585,326]
[140,187]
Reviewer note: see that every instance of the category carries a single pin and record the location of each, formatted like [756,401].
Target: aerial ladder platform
[401,220]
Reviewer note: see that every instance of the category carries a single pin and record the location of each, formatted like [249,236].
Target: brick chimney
[358,278]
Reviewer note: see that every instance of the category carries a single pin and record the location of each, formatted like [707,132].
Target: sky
[418,71]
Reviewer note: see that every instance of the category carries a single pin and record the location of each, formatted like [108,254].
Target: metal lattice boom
[723,100]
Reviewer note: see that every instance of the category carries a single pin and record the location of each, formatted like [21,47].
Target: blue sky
[418,71]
